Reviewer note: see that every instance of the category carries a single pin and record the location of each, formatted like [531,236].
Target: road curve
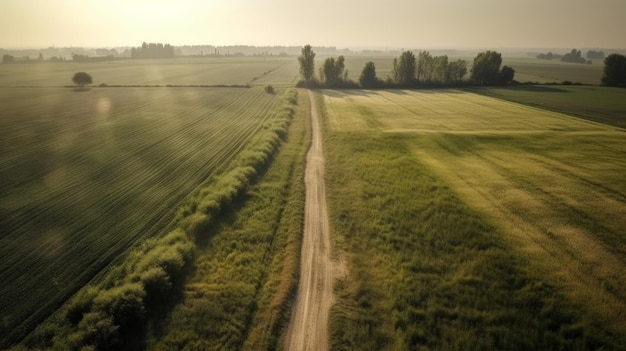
[308,328]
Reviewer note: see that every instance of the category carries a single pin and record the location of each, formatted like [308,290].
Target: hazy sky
[341,23]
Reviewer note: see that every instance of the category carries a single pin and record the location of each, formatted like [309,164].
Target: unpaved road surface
[308,329]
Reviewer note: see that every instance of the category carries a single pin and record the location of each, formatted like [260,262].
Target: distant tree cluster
[614,70]
[549,56]
[152,51]
[575,56]
[595,55]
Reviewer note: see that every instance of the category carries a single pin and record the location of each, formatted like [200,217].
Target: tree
[307,63]
[404,68]
[6,58]
[81,79]
[457,70]
[440,69]
[486,68]
[368,78]
[614,70]
[332,71]
[574,56]
[506,75]
[424,66]
[595,55]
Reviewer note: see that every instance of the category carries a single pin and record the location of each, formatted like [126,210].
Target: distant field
[191,71]
[441,198]
[84,175]
[543,71]
[602,104]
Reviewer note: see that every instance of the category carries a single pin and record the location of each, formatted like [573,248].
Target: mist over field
[355,24]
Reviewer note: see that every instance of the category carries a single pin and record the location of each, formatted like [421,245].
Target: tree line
[152,50]
[408,71]
[574,56]
[427,70]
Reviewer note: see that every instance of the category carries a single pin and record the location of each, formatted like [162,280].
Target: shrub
[123,303]
[81,79]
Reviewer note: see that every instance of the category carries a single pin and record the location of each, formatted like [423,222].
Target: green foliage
[404,68]
[307,63]
[124,303]
[96,331]
[614,70]
[486,68]
[506,75]
[457,70]
[425,63]
[368,78]
[82,78]
[81,304]
[332,71]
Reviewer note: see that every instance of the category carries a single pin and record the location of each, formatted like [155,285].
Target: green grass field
[85,175]
[474,223]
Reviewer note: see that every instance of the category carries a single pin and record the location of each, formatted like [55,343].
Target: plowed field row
[103,169]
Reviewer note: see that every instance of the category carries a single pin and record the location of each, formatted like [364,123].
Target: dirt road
[308,329]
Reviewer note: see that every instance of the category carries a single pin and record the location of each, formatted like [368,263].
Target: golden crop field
[549,193]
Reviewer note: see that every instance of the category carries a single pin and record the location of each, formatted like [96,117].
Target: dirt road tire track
[308,328]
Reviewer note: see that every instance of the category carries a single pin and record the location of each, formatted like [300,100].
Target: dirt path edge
[308,327]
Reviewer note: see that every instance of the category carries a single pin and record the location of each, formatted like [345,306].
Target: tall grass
[128,301]
[427,272]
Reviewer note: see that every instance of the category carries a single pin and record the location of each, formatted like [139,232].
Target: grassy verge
[134,296]
[247,263]
[426,270]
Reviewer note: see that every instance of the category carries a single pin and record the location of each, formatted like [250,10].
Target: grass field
[474,223]
[602,104]
[182,71]
[85,175]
